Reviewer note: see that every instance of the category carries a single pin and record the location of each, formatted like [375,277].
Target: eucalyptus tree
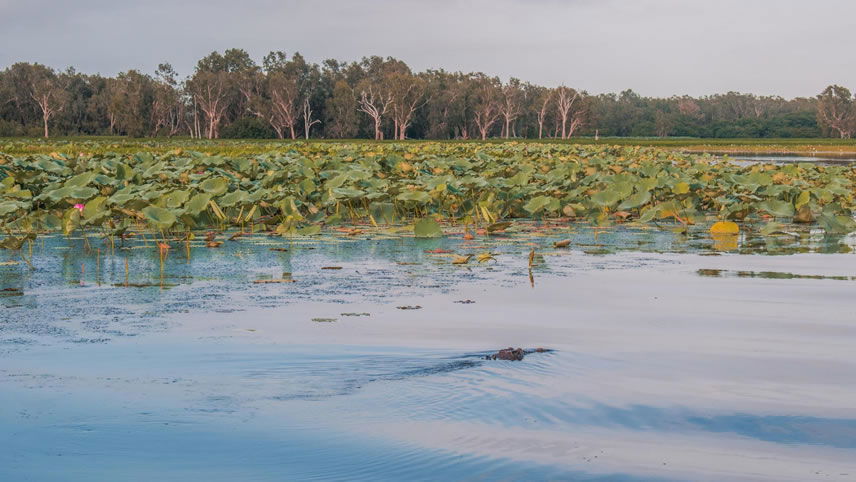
[571,110]
[216,87]
[342,108]
[131,103]
[376,89]
[511,104]
[544,103]
[407,93]
[37,88]
[487,108]
[441,97]
[835,110]
[168,107]
[76,117]
[375,102]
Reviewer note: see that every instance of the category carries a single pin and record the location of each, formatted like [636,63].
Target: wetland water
[675,359]
[823,158]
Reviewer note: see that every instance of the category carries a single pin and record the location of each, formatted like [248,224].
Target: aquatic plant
[296,191]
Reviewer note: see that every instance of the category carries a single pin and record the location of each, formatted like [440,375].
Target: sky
[791,48]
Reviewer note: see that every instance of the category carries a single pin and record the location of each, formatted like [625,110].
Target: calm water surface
[675,358]
[825,158]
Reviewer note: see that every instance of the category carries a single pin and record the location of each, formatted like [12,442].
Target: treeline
[230,95]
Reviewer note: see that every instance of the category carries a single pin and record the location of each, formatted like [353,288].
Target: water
[826,159]
[667,364]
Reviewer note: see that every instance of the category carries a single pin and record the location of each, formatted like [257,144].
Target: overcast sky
[656,47]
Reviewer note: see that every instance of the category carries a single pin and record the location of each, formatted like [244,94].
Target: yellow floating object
[724,227]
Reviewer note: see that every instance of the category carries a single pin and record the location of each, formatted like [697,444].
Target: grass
[236,147]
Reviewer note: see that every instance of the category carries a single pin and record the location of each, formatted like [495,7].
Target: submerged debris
[464,302]
[408,307]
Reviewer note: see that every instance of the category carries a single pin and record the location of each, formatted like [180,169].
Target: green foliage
[248,128]
[294,191]
[427,228]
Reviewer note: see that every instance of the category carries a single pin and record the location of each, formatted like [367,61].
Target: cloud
[656,47]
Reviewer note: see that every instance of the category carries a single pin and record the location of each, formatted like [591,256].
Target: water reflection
[659,373]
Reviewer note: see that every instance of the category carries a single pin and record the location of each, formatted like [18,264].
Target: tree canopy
[229,94]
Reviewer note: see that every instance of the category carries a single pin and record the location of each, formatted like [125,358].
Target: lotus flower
[79,207]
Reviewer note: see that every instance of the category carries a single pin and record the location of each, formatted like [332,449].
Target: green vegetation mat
[302,186]
[90,145]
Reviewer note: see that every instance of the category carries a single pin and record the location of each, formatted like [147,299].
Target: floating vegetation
[458,259]
[355,314]
[296,192]
[144,285]
[719,273]
[274,281]
[408,307]
[324,320]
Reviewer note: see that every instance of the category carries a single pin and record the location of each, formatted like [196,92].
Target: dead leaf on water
[461,259]
[724,227]
[485,257]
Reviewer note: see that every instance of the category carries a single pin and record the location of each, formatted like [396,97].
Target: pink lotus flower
[79,207]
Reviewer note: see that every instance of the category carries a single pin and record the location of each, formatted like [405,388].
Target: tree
[40,86]
[510,106]
[167,105]
[374,101]
[210,91]
[663,122]
[342,111]
[487,107]
[545,98]
[570,109]
[406,93]
[280,106]
[308,121]
[219,86]
[131,102]
[835,110]
[376,96]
